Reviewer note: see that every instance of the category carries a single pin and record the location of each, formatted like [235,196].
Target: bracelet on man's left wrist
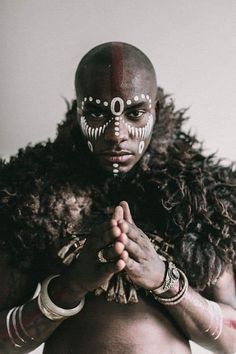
[171,278]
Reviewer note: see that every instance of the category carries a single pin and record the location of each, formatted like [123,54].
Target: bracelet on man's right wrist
[51,310]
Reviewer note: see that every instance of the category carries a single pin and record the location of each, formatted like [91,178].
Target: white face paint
[90,146]
[116,106]
[141,147]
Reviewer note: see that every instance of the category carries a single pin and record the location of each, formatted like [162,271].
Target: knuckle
[130,264]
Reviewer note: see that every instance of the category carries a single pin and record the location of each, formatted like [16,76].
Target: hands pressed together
[125,247]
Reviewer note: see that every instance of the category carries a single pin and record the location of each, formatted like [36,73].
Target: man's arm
[24,328]
[16,289]
[202,323]
[210,324]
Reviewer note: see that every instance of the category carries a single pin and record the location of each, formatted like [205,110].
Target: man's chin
[118,171]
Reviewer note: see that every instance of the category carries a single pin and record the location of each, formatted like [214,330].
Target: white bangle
[49,309]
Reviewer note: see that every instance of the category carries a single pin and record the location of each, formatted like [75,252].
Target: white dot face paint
[117,102]
[116,106]
[90,146]
[141,147]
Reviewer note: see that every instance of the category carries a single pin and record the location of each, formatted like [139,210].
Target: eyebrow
[137,104]
[95,106]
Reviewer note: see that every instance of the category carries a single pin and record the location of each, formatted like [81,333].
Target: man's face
[116,116]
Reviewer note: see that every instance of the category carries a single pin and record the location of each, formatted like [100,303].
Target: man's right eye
[98,115]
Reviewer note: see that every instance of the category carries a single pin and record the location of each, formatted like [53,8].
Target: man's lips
[117,155]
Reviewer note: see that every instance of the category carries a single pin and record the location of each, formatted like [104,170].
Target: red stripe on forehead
[117,67]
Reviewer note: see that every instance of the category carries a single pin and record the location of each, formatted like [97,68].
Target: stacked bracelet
[17,333]
[176,299]
[52,311]
[171,278]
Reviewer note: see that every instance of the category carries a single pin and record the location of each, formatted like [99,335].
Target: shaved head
[116,102]
[120,65]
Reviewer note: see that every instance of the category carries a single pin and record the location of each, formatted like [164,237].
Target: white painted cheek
[141,147]
[90,146]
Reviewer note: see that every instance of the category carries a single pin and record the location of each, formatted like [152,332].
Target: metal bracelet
[176,299]
[22,326]
[171,278]
[8,321]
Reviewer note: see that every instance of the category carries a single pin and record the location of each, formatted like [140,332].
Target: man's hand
[88,272]
[143,265]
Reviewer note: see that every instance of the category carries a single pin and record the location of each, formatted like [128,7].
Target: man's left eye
[135,114]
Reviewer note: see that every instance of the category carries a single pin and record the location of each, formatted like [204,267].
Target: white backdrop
[191,43]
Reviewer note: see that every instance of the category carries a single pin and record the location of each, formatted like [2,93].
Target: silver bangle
[49,309]
[176,299]
[15,325]
[21,324]
[171,278]
[8,320]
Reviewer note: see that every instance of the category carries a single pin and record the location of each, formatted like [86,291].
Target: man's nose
[116,130]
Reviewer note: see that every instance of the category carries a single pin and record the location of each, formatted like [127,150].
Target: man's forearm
[24,328]
[22,336]
[202,323]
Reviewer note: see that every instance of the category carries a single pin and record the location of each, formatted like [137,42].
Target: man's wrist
[175,293]
[63,294]
[170,279]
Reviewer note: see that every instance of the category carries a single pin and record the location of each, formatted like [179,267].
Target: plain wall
[191,43]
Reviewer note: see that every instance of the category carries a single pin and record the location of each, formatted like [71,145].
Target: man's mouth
[117,155]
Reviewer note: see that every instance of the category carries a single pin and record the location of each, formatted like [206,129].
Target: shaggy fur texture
[53,190]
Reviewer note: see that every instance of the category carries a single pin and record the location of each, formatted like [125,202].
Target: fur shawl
[54,189]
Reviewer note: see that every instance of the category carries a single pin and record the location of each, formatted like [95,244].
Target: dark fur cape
[52,190]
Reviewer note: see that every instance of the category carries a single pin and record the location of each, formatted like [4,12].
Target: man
[127,226]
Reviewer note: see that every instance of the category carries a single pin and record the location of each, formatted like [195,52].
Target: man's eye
[135,114]
[96,115]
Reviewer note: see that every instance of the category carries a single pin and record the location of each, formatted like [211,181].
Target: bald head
[116,103]
[114,66]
